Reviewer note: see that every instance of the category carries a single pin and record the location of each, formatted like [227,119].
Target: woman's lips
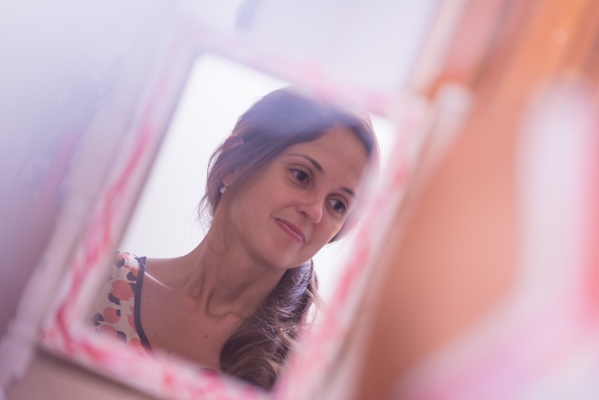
[292,230]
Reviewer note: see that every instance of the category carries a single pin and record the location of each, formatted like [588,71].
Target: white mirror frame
[66,332]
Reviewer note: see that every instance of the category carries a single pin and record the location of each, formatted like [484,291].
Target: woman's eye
[338,206]
[300,175]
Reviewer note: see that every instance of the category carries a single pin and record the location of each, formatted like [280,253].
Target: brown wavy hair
[257,351]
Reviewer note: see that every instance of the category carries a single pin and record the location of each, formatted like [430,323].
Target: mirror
[166,223]
[138,58]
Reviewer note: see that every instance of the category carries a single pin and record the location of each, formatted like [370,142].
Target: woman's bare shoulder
[172,272]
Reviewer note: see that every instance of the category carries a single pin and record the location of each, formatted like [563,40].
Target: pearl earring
[223,189]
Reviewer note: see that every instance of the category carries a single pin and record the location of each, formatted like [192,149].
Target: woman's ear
[229,178]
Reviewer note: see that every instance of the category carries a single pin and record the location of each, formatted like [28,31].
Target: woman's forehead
[334,142]
[337,152]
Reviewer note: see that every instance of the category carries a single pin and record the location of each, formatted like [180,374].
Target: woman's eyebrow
[348,191]
[313,161]
[319,168]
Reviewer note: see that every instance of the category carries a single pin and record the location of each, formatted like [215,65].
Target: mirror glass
[166,220]
[166,223]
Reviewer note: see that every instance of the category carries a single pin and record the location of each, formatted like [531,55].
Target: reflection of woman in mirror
[279,188]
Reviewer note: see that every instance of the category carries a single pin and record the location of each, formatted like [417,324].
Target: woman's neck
[221,280]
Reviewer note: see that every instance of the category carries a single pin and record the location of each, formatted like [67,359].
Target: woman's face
[295,204]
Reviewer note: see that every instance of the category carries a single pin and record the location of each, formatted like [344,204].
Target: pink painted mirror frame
[65,331]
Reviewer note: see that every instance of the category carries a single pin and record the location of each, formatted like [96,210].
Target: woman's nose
[312,210]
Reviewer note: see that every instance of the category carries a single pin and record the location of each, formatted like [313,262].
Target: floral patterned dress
[116,311]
